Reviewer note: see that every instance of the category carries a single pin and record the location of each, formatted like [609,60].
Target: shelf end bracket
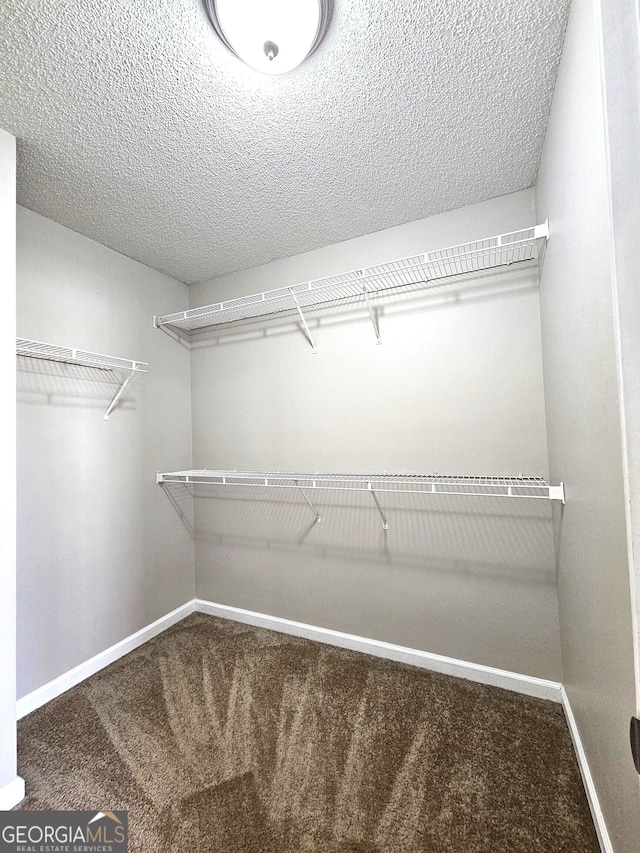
[542,230]
[556,493]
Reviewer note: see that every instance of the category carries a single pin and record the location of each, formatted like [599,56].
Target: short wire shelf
[429,484]
[53,352]
[489,253]
[84,358]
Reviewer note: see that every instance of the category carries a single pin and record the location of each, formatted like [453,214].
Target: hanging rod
[532,488]
[84,358]
[488,253]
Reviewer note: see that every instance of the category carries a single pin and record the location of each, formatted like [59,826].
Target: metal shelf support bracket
[311,506]
[304,322]
[118,394]
[385,523]
[374,321]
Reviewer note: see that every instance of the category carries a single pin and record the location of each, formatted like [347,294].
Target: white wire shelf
[52,352]
[502,250]
[84,358]
[532,488]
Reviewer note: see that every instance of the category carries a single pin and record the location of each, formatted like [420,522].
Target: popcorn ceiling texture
[139,129]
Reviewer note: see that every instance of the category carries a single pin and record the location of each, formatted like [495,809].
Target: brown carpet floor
[217,736]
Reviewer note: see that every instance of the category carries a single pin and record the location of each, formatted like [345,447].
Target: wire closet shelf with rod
[420,270]
[531,488]
[124,368]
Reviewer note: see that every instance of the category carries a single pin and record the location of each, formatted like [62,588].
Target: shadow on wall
[54,383]
[513,536]
[471,578]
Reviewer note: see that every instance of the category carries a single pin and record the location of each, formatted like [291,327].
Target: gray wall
[101,551]
[620,28]
[583,427]
[8,518]
[456,387]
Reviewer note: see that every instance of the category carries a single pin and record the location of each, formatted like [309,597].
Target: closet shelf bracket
[119,392]
[311,506]
[385,523]
[374,319]
[304,322]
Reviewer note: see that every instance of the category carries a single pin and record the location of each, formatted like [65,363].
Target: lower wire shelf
[531,488]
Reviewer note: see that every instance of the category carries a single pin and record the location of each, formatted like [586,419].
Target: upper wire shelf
[69,355]
[489,253]
[432,484]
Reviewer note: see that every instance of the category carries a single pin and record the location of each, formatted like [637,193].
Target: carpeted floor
[217,736]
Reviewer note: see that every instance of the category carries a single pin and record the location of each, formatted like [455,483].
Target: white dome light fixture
[272,36]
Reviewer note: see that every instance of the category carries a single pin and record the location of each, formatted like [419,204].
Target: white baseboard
[69,679]
[529,685]
[11,794]
[589,786]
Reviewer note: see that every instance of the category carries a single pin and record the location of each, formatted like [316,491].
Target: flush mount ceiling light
[272,36]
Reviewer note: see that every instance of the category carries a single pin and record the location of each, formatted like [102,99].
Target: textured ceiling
[138,128]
